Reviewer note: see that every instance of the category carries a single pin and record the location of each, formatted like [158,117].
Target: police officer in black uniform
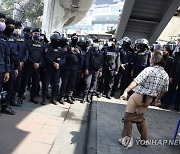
[27,33]
[4,60]
[141,56]
[14,62]
[124,74]
[92,67]
[54,59]
[110,67]
[32,66]
[23,56]
[69,70]
[173,70]
[156,46]
[83,49]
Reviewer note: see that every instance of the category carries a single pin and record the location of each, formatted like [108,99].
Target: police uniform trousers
[68,82]
[1,80]
[117,80]
[108,80]
[30,71]
[51,76]
[90,82]
[8,87]
[167,99]
[137,70]
[126,78]
[78,84]
[16,85]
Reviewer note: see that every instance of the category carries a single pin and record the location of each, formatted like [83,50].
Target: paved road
[106,124]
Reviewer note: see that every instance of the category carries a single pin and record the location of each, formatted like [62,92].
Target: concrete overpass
[60,13]
[145,18]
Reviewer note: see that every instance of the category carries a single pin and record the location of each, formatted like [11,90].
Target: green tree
[7,7]
[23,12]
[35,12]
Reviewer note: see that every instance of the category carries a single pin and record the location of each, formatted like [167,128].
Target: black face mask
[55,43]
[74,42]
[62,43]
[8,31]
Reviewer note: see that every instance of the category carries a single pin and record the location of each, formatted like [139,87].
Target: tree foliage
[7,7]
[21,11]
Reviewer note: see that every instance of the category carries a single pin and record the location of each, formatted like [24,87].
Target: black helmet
[142,44]
[156,46]
[81,40]
[112,40]
[55,36]
[37,30]
[171,45]
[27,29]
[142,41]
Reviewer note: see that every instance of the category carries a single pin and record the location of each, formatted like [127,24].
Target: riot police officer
[173,69]
[141,56]
[83,49]
[54,59]
[14,62]
[126,59]
[92,68]
[27,33]
[110,67]
[4,60]
[69,70]
[32,66]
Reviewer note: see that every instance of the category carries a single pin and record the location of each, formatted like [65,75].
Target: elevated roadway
[145,18]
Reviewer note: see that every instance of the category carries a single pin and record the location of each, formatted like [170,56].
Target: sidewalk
[37,129]
[106,127]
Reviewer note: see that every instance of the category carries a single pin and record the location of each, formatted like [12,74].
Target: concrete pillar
[53,17]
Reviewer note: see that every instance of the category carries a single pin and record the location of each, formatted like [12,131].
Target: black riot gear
[170,46]
[156,46]
[74,40]
[55,39]
[96,60]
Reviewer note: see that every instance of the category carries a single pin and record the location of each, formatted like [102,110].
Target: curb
[92,131]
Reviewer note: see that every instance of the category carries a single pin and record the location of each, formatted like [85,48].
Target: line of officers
[72,68]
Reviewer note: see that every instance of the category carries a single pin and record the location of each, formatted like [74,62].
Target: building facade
[103,16]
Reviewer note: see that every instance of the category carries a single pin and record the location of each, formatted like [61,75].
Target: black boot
[53,101]
[20,100]
[34,100]
[61,100]
[69,100]
[84,99]
[176,108]
[89,97]
[7,110]
[73,98]
[108,96]
[43,102]
[15,103]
